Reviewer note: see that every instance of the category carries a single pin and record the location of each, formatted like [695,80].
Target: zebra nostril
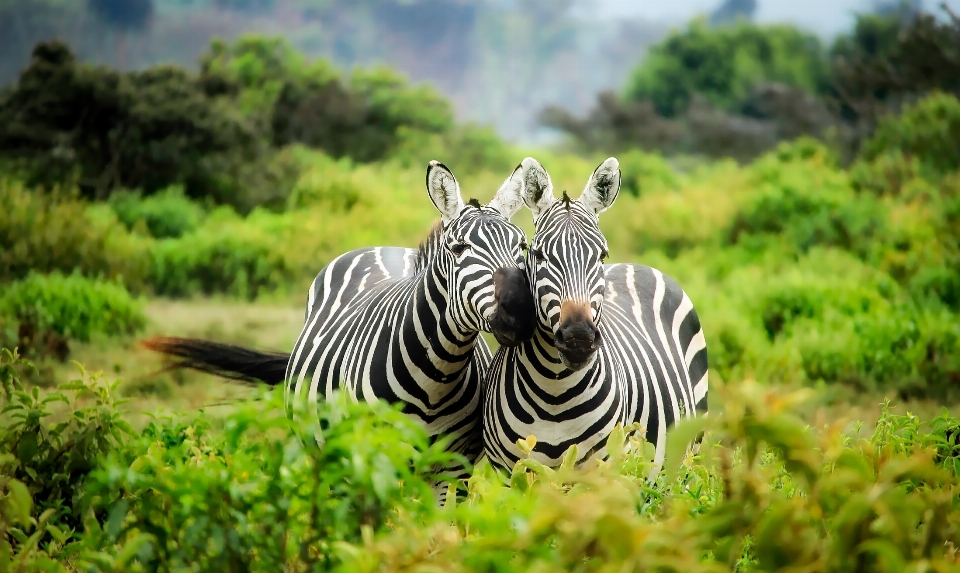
[559,336]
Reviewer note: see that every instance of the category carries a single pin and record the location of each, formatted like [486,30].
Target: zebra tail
[224,360]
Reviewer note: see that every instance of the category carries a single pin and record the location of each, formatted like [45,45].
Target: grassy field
[275,326]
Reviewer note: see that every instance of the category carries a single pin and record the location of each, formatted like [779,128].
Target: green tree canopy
[723,64]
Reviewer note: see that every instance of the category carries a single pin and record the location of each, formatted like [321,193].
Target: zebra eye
[459,248]
[603,255]
[523,245]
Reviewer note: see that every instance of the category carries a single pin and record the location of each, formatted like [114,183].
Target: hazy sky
[826,17]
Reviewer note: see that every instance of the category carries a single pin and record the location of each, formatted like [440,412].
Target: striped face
[566,258]
[479,246]
[481,259]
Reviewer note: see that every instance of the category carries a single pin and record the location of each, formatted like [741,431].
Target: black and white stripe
[614,344]
[402,325]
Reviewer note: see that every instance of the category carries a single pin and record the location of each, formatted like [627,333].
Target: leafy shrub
[70,306]
[54,232]
[903,349]
[807,207]
[50,453]
[234,256]
[890,60]
[166,214]
[641,171]
[267,502]
[928,131]
[766,491]
[327,183]
[467,149]
[724,63]
[789,297]
[145,130]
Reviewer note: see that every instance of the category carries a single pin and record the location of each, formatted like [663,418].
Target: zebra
[403,325]
[614,343]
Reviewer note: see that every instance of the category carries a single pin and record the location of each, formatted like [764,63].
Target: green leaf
[22,501]
[130,549]
[570,458]
[27,448]
[55,532]
[115,520]
[678,440]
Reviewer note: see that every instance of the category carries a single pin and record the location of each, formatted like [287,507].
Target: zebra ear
[537,188]
[509,197]
[602,188]
[444,191]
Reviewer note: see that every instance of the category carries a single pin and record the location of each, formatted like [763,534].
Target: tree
[107,129]
[724,64]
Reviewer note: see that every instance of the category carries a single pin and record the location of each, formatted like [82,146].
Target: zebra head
[481,258]
[566,257]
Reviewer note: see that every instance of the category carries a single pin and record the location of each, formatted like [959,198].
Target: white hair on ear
[537,187]
[602,187]
[444,191]
[509,197]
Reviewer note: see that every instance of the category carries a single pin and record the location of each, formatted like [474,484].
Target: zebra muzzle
[514,319]
[578,337]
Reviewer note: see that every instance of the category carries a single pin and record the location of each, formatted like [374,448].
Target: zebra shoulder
[630,285]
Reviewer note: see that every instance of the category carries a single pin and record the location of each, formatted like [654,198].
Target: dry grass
[275,326]
[268,327]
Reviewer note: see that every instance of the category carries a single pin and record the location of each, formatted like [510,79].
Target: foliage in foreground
[763,494]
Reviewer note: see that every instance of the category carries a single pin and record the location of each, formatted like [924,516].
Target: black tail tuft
[224,360]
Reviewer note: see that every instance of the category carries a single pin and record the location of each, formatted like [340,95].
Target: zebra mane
[566,199]
[428,247]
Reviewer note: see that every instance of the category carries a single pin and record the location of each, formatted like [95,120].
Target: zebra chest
[528,398]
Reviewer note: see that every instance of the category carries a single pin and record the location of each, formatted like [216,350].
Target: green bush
[69,306]
[805,208]
[55,232]
[765,492]
[907,350]
[233,256]
[927,131]
[51,452]
[724,63]
[467,149]
[166,214]
[640,171]
[267,502]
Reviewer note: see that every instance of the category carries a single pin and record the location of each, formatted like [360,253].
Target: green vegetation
[828,272]
[243,493]
[46,310]
[805,272]
[739,89]
[724,64]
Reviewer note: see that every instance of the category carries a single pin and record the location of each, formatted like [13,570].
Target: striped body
[615,344]
[651,368]
[376,329]
[403,325]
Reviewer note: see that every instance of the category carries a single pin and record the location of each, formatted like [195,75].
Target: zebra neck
[428,324]
[540,359]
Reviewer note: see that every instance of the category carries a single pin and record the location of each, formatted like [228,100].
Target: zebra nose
[513,320]
[578,336]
